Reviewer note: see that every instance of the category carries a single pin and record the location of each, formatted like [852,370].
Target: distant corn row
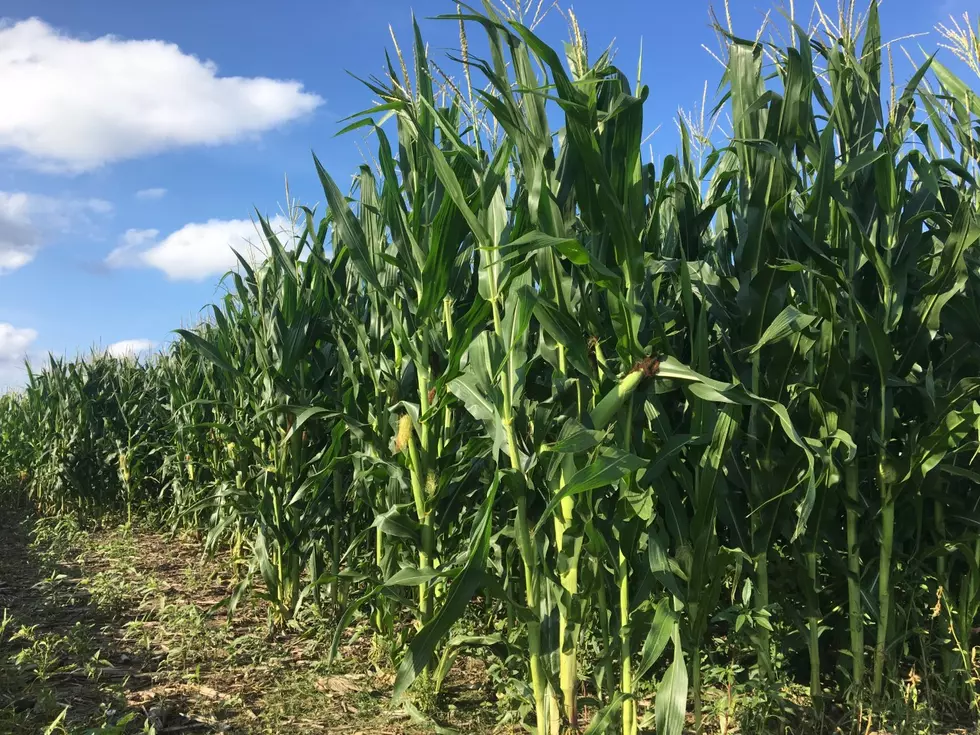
[620,411]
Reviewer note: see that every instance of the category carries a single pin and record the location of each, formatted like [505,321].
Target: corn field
[524,392]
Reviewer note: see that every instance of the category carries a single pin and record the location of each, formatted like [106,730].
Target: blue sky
[137,138]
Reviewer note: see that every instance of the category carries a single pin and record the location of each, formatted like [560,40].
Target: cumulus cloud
[27,219]
[154,193]
[132,244]
[76,104]
[14,344]
[130,347]
[19,239]
[197,250]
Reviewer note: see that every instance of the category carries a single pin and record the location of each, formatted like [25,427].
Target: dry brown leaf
[337,684]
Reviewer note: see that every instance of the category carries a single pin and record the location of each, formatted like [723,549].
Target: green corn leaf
[671,704]
[412,577]
[789,321]
[206,349]
[662,629]
[610,466]
[605,718]
[421,648]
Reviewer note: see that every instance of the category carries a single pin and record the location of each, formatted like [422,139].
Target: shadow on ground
[109,629]
[63,659]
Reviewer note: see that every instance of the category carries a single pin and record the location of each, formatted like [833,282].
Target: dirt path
[112,630]
[60,651]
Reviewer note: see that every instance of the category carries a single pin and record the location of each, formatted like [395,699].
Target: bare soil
[118,629]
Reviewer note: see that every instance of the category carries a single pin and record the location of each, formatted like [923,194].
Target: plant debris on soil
[122,629]
[125,629]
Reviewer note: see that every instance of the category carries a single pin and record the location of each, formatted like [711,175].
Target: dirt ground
[115,631]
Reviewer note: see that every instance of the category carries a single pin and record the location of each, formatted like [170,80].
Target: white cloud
[195,251]
[129,253]
[19,239]
[154,193]
[14,346]
[77,104]
[130,347]
[99,206]
[14,342]
[27,219]
[13,376]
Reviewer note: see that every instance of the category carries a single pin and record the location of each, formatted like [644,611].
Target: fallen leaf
[338,684]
